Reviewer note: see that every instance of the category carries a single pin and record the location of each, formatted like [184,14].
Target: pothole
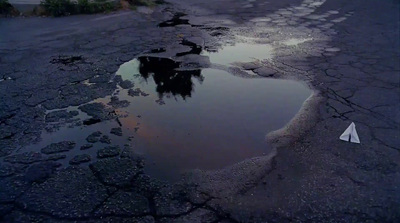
[189,119]
[181,115]
[209,118]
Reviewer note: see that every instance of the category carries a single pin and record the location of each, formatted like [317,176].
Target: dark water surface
[181,120]
[210,118]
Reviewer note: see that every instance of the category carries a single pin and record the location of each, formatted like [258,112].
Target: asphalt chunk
[78,159]
[109,151]
[63,146]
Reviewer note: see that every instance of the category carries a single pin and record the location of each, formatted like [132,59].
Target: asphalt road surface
[347,52]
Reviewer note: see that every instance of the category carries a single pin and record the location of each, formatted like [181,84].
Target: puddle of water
[211,119]
[181,120]
[240,52]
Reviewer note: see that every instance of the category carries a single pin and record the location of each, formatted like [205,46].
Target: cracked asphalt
[347,52]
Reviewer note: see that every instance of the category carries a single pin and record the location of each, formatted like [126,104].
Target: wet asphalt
[346,52]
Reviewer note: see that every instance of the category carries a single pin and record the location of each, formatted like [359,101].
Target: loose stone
[109,151]
[80,159]
[94,137]
[116,131]
[86,146]
[58,147]
[105,139]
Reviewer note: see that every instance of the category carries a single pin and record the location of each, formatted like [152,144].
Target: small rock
[86,146]
[135,92]
[126,84]
[97,111]
[160,101]
[109,151]
[57,116]
[116,131]
[105,139]
[56,157]
[80,159]
[58,147]
[94,137]
[116,103]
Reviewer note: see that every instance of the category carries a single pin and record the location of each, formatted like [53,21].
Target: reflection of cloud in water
[223,122]
[240,52]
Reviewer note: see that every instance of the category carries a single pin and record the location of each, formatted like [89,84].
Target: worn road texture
[346,51]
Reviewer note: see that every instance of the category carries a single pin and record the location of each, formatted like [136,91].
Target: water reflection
[176,20]
[168,78]
[194,48]
[240,52]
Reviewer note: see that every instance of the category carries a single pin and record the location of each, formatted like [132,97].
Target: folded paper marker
[350,134]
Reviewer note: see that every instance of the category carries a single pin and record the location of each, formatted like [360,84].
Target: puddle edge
[303,121]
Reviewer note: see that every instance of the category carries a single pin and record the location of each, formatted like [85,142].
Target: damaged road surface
[202,111]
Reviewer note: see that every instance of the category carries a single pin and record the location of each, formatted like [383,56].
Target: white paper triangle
[350,134]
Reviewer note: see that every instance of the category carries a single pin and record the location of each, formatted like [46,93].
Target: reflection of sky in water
[129,69]
[224,121]
[240,52]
